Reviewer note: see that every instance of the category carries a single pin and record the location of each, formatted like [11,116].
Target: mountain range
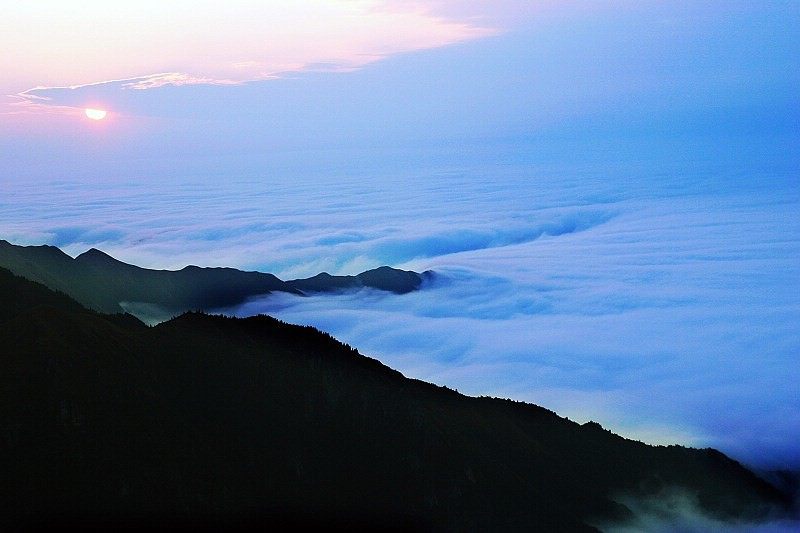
[100,282]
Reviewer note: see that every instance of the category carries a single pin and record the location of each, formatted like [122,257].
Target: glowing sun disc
[95,114]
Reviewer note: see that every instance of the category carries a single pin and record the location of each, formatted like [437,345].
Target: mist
[676,510]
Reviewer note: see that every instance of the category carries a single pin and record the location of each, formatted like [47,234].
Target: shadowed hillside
[220,422]
[102,283]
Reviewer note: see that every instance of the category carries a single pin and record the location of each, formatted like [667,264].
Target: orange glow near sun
[95,114]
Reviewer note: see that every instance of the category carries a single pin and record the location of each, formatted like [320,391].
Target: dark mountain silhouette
[384,278]
[208,422]
[102,283]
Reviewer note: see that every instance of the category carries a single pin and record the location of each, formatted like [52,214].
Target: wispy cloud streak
[238,43]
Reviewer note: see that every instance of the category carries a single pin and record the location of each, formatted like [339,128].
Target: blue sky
[609,189]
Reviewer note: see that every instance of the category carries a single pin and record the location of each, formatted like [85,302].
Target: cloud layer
[659,298]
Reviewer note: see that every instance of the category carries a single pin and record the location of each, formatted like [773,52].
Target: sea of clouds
[660,299]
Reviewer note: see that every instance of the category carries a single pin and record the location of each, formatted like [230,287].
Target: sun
[95,114]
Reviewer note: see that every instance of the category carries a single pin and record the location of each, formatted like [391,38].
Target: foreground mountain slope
[105,284]
[249,422]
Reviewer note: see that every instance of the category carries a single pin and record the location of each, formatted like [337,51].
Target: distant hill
[100,282]
[216,423]
[384,278]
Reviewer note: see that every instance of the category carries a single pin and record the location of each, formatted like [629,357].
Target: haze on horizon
[611,188]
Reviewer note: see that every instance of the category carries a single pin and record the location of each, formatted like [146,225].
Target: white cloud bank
[663,304]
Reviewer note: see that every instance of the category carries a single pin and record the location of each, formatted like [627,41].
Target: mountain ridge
[210,421]
[104,283]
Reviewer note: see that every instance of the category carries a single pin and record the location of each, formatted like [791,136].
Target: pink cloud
[211,46]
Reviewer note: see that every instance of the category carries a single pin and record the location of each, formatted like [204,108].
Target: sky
[608,190]
[181,79]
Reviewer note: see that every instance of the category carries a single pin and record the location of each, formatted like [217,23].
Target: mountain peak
[94,255]
[93,252]
[391,279]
